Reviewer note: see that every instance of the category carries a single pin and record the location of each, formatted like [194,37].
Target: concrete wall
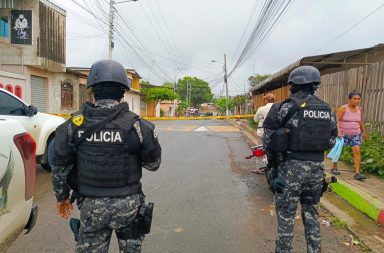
[13,79]
[153,111]
[55,93]
[133,101]
[167,108]
[29,54]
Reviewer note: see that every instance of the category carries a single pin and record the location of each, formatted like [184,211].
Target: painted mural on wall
[21,27]
[4,27]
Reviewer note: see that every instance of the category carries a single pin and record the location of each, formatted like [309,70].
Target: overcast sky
[176,38]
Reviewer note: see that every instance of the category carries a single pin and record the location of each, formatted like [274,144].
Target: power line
[350,28]
[270,14]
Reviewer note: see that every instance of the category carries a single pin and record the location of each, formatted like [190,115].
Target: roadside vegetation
[338,223]
[372,159]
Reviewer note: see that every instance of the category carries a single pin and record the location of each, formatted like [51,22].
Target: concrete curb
[359,199]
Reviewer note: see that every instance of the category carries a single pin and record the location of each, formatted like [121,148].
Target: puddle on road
[236,168]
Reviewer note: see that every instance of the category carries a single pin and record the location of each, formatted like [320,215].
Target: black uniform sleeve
[332,141]
[150,153]
[63,154]
[61,157]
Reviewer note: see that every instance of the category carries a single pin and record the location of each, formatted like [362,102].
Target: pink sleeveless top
[350,123]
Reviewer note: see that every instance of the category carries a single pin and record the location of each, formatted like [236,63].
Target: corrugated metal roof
[326,63]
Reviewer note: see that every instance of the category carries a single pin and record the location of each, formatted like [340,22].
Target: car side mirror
[32,110]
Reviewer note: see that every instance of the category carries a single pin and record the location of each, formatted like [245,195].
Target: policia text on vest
[103,136]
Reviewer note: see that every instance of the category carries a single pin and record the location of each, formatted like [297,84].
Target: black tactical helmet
[108,71]
[303,75]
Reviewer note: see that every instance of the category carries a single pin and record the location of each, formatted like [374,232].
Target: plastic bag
[336,150]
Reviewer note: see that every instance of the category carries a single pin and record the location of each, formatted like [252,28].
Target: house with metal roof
[341,72]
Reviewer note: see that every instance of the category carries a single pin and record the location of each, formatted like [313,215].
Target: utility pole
[111,22]
[226,85]
[110,36]
[190,93]
[187,93]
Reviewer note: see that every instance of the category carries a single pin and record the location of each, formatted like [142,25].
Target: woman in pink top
[351,127]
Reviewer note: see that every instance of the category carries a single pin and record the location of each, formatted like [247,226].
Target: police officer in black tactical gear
[99,153]
[297,131]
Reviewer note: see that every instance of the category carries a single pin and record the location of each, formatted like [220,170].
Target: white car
[41,126]
[17,181]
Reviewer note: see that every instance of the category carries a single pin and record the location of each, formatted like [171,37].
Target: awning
[326,63]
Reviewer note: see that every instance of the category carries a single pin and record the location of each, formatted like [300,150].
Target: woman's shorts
[352,140]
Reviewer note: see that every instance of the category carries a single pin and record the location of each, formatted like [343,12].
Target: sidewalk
[367,197]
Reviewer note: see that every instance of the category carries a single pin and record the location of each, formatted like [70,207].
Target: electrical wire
[350,28]
[270,14]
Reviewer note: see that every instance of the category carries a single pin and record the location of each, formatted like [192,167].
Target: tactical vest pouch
[314,125]
[280,140]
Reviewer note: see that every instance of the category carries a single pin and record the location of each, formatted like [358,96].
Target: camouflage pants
[99,217]
[305,181]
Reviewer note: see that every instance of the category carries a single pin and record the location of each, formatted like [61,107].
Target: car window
[11,106]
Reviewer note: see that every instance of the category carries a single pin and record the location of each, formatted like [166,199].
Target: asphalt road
[206,200]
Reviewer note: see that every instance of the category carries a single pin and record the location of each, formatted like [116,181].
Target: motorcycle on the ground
[260,158]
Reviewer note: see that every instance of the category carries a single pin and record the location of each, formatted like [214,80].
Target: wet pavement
[206,199]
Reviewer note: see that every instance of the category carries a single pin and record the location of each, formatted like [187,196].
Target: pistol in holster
[145,216]
[326,182]
[140,226]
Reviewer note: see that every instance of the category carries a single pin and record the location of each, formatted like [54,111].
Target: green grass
[338,223]
[355,200]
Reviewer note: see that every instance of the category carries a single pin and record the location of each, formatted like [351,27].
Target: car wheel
[46,165]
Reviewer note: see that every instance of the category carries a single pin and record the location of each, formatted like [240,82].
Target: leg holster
[311,197]
[140,226]
[131,232]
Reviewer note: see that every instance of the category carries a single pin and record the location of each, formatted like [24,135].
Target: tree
[240,103]
[198,91]
[160,94]
[256,79]
[221,105]
[168,85]
[157,94]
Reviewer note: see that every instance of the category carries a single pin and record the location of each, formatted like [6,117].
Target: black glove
[279,184]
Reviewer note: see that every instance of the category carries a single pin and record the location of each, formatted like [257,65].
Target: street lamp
[111,18]
[225,82]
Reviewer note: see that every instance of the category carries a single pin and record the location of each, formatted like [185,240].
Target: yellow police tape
[246,116]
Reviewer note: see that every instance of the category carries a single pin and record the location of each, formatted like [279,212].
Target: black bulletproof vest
[107,162]
[313,132]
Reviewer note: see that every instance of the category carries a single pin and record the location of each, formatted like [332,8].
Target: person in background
[350,126]
[259,117]
[262,113]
